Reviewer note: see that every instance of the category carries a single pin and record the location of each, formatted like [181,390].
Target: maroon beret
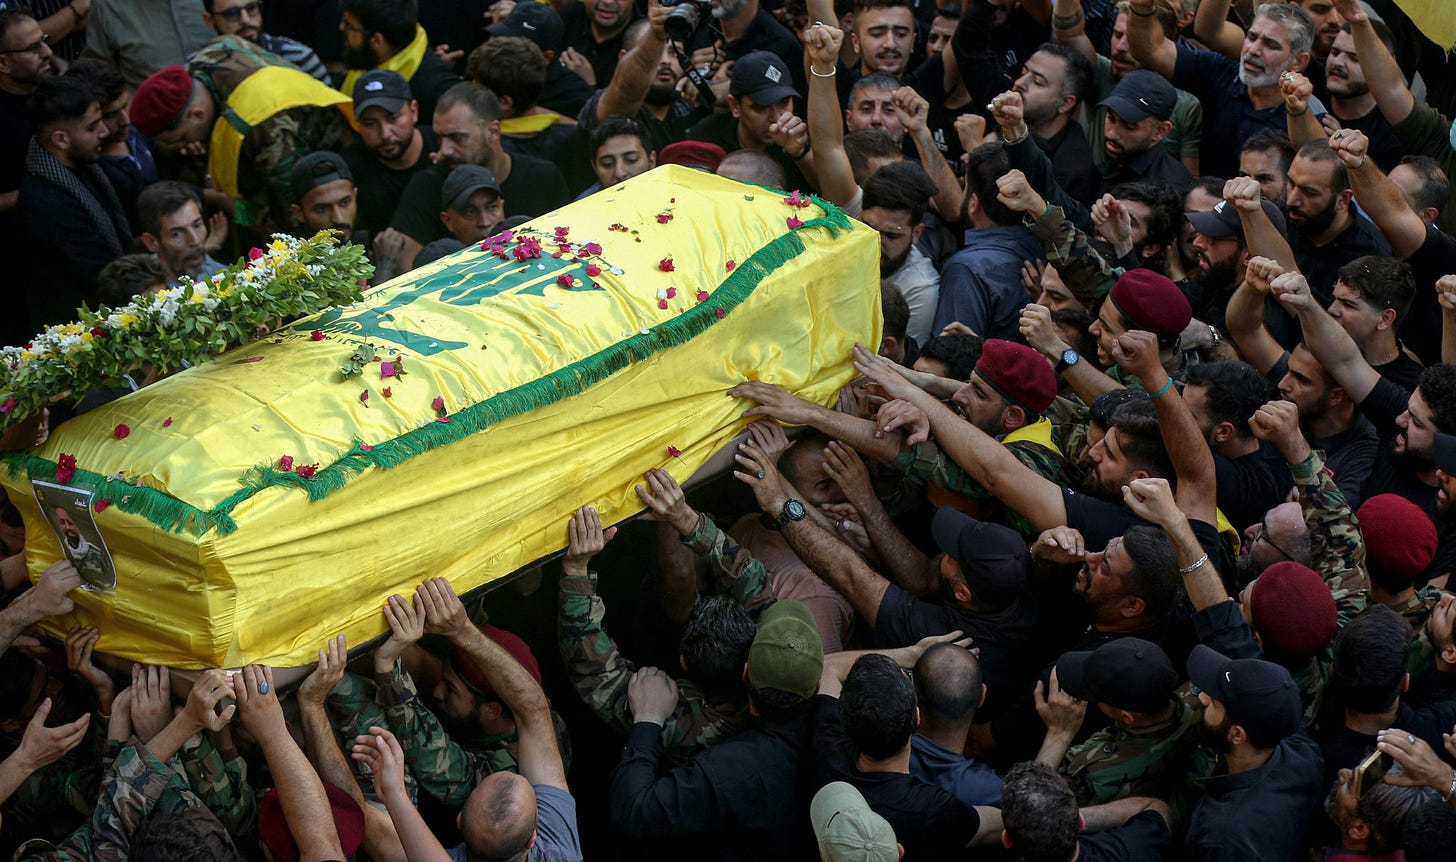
[475,678]
[1151,302]
[692,154]
[1292,611]
[274,832]
[1019,373]
[1400,540]
[160,99]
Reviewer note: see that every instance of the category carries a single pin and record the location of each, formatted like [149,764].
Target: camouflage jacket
[1417,607]
[444,768]
[135,785]
[925,465]
[600,673]
[1117,762]
[223,787]
[1088,274]
[1336,549]
[265,165]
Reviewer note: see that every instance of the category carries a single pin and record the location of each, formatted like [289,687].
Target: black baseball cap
[1223,220]
[994,559]
[1127,673]
[535,21]
[1445,453]
[317,169]
[1259,696]
[465,181]
[1140,95]
[762,77]
[382,87]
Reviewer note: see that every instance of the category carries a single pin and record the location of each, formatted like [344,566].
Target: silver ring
[262,688]
[759,474]
[1411,739]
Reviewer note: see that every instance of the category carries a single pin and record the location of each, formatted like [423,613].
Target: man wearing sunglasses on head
[244,18]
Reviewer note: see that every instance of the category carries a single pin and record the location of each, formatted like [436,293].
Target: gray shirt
[140,37]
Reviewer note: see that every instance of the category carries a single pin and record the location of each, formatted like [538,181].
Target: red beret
[1152,302]
[471,672]
[1019,373]
[160,99]
[692,154]
[1400,540]
[1293,611]
[274,832]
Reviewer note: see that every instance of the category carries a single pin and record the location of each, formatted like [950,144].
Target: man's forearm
[858,433]
[303,799]
[1265,240]
[632,79]
[1337,352]
[826,138]
[948,194]
[1100,818]
[1202,584]
[1211,25]
[1089,381]
[511,682]
[1196,486]
[1387,208]
[1382,73]
[907,566]
[323,751]
[419,842]
[839,566]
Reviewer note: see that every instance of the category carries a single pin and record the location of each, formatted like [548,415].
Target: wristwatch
[793,511]
[1069,358]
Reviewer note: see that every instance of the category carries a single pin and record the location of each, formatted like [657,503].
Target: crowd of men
[1131,541]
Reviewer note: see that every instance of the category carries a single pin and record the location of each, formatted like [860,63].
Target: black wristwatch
[1069,358]
[793,511]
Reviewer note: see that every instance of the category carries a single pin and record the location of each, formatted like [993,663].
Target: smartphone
[1371,770]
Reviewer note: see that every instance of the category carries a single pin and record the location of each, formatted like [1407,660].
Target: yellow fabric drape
[1039,432]
[262,94]
[529,124]
[478,332]
[406,62]
[1435,18]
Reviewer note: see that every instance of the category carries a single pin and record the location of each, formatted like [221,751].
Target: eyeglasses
[349,28]
[1264,537]
[33,48]
[237,12]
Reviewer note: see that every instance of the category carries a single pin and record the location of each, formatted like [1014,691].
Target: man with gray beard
[1240,98]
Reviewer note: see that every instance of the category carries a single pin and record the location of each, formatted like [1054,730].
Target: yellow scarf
[406,62]
[529,124]
[1038,432]
[266,92]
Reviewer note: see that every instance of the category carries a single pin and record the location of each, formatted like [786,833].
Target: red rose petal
[662,303]
[121,431]
[316,335]
[101,505]
[168,423]
[674,451]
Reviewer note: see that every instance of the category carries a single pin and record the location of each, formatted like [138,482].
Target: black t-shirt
[1402,371]
[381,187]
[534,187]
[1385,148]
[722,129]
[601,55]
[15,134]
[430,82]
[1321,264]
[930,822]
[1252,484]
[928,80]
[1143,838]
[1383,405]
[764,33]
[1071,160]
[1099,521]
[1421,328]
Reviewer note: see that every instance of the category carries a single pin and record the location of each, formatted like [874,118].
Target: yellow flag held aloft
[447,424]
[1435,18]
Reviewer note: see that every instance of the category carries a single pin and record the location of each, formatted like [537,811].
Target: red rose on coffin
[65,467]
[674,451]
[121,431]
[285,463]
[307,471]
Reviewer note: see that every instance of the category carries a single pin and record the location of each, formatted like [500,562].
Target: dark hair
[1039,813]
[510,66]
[1370,659]
[1167,14]
[989,163]
[634,32]
[863,145]
[1271,139]
[1382,31]
[790,464]
[162,199]
[127,277]
[896,312]
[866,5]
[1318,150]
[715,642]
[59,99]
[947,685]
[1165,214]
[1077,78]
[873,81]
[1430,833]
[959,351]
[193,833]
[1435,186]
[617,126]
[1154,574]
[1384,282]
[1437,384]
[900,187]
[1141,441]
[775,704]
[1079,319]
[106,82]
[949,10]
[877,706]
[395,20]
[1209,185]
[479,99]
[17,673]
[1106,404]
[1235,391]
[1386,808]
[12,15]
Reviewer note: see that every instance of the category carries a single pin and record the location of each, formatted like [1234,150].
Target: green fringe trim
[175,515]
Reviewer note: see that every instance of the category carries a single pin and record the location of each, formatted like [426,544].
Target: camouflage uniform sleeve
[596,668]
[130,791]
[265,165]
[223,787]
[1336,549]
[1088,275]
[440,766]
[925,464]
[735,571]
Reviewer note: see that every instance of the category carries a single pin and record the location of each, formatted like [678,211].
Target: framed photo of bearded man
[68,510]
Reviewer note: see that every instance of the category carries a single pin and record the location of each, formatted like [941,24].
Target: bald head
[947,685]
[499,819]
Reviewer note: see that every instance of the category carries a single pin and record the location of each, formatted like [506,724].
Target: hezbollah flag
[446,424]
[1435,18]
